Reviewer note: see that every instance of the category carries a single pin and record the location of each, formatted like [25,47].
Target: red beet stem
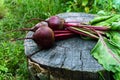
[91,30]
[101,32]
[75,22]
[102,28]
[63,36]
[62,31]
[81,32]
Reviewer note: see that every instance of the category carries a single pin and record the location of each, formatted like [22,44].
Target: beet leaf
[114,37]
[99,19]
[110,22]
[115,25]
[108,55]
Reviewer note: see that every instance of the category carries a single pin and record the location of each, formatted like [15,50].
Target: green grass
[15,13]
[2,9]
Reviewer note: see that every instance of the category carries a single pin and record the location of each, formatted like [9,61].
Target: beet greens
[109,44]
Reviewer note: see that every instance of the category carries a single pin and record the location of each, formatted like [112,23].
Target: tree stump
[68,59]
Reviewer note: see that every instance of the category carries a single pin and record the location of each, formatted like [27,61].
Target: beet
[38,25]
[55,22]
[44,37]
[42,23]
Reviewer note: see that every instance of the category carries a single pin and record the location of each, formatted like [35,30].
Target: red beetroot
[55,22]
[44,37]
[38,25]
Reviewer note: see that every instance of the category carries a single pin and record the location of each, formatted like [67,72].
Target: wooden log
[68,59]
